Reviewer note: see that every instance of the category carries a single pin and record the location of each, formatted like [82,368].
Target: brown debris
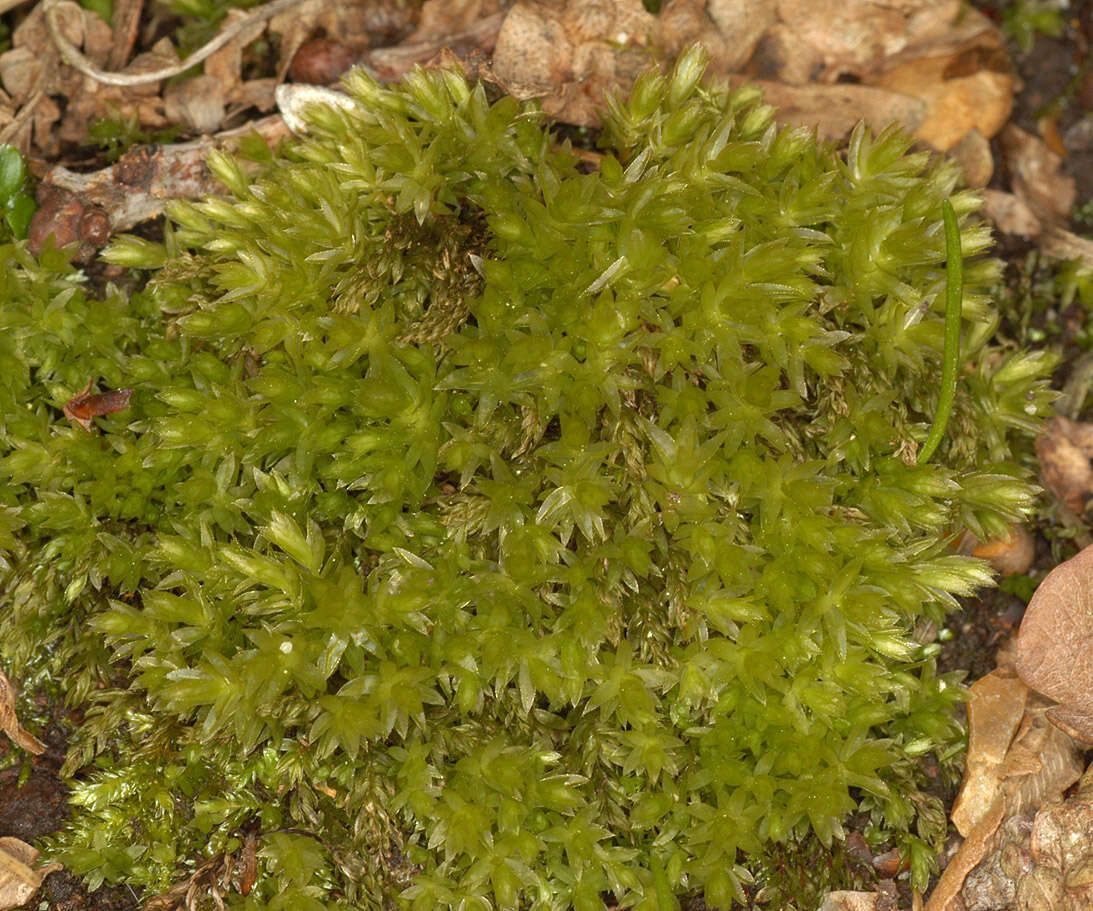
[995,710]
[1055,644]
[1039,765]
[143,180]
[973,154]
[1064,450]
[84,406]
[9,721]
[956,104]
[466,29]
[1010,214]
[834,110]
[571,55]
[19,879]
[1035,174]
[730,30]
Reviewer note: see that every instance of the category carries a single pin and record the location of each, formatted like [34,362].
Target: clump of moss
[485,532]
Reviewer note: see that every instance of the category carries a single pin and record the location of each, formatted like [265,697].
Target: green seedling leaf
[18,213]
[12,172]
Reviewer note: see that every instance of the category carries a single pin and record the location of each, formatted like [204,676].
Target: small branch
[74,58]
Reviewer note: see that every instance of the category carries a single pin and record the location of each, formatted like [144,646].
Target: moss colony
[483,532]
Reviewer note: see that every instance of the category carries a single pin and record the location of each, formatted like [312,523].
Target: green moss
[484,531]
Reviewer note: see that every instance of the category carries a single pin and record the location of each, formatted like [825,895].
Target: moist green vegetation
[489,533]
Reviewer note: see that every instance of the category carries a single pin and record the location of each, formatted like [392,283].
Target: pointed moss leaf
[283,531]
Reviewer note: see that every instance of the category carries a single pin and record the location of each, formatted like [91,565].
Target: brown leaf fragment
[1042,762]
[995,709]
[19,880]
[83,406]
[973,154]
[852,34]
[250,863]
[834,110]
[124,25]
[9,722]
[977,846]
[321,61]
[1055,643]
[1059,243]
[1039,765]
[197,103]
[980,100]
[1036,174]
[1065,463]
[572,54]
[849,901]
[139,185]
[468,28]
[1010,214]
[730,30]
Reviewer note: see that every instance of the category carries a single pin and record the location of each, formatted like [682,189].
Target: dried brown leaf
[995,710]
[1055,643]
[83,406]
[570,55]
[19,880]
[1065,464]
[1036,175]
[9,722]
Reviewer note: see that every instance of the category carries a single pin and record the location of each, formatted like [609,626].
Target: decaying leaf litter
[943,72]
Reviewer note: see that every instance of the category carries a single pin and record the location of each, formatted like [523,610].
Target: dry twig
[75,58]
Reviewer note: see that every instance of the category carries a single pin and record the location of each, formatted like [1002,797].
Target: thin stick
[75,59]
[954,299]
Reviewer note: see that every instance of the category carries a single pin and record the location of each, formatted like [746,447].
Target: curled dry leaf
[83,406]
[19,880]
[9,722]
[1055,644]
